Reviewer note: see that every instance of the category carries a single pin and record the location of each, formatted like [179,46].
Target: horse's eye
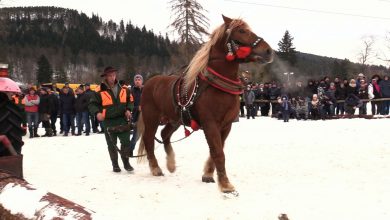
[242,31]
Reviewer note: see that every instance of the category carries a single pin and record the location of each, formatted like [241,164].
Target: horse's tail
[140,133]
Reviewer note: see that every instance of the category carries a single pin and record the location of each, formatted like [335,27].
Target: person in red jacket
[31,101]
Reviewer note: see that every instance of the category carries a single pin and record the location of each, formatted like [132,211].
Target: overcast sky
[334,34]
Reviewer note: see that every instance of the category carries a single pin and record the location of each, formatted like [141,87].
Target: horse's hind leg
[151,124]
[166,134]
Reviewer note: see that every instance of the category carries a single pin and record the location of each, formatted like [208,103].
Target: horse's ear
[227,20]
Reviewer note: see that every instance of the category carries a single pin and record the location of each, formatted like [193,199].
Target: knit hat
[138,76]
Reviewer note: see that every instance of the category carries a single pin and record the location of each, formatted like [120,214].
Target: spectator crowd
[44,106]
[317,99]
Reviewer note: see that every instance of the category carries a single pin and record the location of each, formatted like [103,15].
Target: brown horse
[213,75]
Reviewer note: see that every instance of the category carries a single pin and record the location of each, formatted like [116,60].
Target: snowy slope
[330,170]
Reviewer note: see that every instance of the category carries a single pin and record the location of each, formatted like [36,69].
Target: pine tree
[190,23]
[286,50]
[61,76]
[44,71]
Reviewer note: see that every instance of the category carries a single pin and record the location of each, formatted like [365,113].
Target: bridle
[239,51]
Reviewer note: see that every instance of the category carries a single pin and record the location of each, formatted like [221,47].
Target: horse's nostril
[269,52]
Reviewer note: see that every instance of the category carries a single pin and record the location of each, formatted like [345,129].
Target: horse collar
[216,80]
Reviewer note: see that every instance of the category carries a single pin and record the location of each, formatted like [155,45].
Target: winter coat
[136,92]
[330,97]
[341,93]
[373,93]
[363,92]
[310,90]
[249,97]
[67,103]
[81,103]
[353,101]
[285,106]
[89,93]
[274,93]
[110,105]
[55,101]
[262,94]
[301,107]
[385,88]
[31,103]
[351,90]
[45,105]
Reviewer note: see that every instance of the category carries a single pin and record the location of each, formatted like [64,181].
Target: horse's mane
[199,61]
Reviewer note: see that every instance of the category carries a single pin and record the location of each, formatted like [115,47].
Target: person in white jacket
[374,92]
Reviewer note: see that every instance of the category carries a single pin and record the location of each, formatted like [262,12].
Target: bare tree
[384,52]
[367,51]
[189,22]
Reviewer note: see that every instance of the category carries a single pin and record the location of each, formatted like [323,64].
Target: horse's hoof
[157,172]
[208,179]
[230,195]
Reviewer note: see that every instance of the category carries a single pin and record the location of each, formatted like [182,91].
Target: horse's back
[158,92]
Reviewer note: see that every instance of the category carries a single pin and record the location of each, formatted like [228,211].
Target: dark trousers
[250,111]
[385,107]
[53,120]
[45,121]
[61,122]
[32,119]
[94,122]
[111,139]
[286,115]
[264,109]
[340,108]
[68,119]
[274,108]
[363,109]
[82,118]
[242,105]
[375,107]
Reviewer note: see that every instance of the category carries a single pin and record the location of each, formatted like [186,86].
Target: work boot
[114,159]
[36,132]
[126,164]
[49,132]
[115,166]
[30,130]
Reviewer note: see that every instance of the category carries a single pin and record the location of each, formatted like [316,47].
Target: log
[19,201]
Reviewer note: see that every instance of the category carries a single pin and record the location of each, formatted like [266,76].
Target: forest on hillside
[78,47]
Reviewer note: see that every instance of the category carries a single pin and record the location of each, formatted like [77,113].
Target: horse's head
[244,45]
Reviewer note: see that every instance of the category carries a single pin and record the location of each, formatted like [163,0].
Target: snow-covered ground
[330,170]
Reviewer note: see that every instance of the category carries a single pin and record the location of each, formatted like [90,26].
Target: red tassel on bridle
[194,125]
[243,52]
[230,57]
[186,132]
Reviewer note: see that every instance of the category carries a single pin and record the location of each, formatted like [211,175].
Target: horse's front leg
[208,171]
[215,141]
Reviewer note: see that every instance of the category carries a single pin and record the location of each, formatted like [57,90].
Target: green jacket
[112,107]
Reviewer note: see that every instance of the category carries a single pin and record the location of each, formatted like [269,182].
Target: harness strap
[216,80]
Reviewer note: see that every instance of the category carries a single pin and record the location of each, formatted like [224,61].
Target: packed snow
[322,170]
